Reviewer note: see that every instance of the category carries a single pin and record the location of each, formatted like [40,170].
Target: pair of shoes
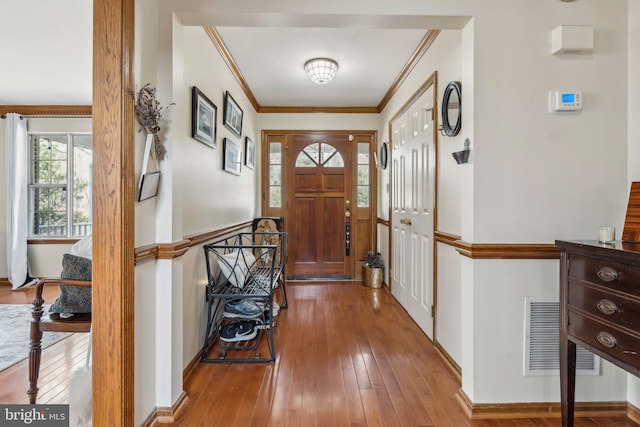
[238,331]
[265,321]
[243,308]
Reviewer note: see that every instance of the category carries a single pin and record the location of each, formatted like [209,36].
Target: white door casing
[413,201]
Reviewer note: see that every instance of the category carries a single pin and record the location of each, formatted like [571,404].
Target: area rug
[15,328]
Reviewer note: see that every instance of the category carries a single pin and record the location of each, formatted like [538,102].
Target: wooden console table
[599,309]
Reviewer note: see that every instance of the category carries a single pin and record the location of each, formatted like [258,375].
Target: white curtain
[17,160]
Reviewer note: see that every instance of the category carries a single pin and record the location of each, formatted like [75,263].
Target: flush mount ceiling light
[321,70]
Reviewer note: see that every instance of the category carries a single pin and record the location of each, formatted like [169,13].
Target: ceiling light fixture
[321,70]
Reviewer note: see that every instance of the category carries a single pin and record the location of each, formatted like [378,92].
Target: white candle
[607,234]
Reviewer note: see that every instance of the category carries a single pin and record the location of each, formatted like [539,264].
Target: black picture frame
[149,185]
[232,115]
[232,157]
[204,117]
[249,153]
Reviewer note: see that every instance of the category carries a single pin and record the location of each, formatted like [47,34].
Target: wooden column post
[113,213]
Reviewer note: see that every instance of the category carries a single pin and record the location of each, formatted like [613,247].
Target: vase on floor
[372,277]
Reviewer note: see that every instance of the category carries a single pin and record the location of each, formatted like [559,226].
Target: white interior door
[413,193]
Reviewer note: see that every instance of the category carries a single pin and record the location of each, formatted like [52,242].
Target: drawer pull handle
[607,274]
[607,340]
[607,306]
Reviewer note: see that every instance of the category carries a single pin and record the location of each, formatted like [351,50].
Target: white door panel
[412,216]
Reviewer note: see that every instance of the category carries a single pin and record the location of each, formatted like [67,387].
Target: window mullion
[69,186]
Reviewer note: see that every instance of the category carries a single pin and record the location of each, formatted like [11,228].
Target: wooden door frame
[373,177]
[113,213]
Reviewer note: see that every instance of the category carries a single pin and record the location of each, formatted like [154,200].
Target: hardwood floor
[57,364]
[346,356]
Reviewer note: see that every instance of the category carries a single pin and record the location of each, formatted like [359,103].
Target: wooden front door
[319,197]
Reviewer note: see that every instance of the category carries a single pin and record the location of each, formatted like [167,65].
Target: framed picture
[232,115]
[204,114]
[149,186]
[232,157]
[249,153]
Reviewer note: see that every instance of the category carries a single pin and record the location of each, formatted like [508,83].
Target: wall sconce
[462,156]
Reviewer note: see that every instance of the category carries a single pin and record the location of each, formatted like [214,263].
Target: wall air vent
[542,337]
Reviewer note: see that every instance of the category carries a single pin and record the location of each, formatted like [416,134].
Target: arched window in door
[319,154]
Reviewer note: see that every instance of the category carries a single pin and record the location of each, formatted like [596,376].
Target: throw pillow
[83,247]
[235,266]
[74,299]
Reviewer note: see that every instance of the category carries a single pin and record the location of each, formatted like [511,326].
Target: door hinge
[432,313]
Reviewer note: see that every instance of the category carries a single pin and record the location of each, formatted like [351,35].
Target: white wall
[634,134]
[536,175]
[145,358]
[212,198]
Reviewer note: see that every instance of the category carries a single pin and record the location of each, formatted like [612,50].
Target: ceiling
[46,52]
[271,61]
[48,46]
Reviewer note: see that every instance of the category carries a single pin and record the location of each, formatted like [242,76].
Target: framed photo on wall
[249,153]
[203,118]
[232,157]
[232,115]
[149,185]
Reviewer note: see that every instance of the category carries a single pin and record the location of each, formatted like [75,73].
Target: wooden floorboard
[345,356]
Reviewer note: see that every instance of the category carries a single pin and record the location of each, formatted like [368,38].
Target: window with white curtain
[60,185]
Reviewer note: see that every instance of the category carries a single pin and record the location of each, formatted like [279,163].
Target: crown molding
[422,48]
[334,110]
[48,110]
[231,63]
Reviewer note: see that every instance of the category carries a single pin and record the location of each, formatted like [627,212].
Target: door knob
[405,221]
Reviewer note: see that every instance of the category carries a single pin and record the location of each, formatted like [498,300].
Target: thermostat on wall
[565,102]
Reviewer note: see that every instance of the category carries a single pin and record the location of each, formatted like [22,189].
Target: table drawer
[605,305]
[620,345]
[622,277]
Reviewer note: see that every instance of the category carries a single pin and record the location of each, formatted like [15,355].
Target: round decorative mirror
[384,155]
[451,109]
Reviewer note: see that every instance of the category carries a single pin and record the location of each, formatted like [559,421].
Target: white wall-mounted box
[572,39]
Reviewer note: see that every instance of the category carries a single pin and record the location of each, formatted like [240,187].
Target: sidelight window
[363,175]
[275,175]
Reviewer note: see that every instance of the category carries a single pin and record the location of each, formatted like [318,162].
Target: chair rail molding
[498,250]
[171,250]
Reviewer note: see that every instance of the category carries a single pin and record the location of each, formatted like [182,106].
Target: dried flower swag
[148,112]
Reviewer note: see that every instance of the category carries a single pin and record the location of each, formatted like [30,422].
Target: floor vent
[542,337]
